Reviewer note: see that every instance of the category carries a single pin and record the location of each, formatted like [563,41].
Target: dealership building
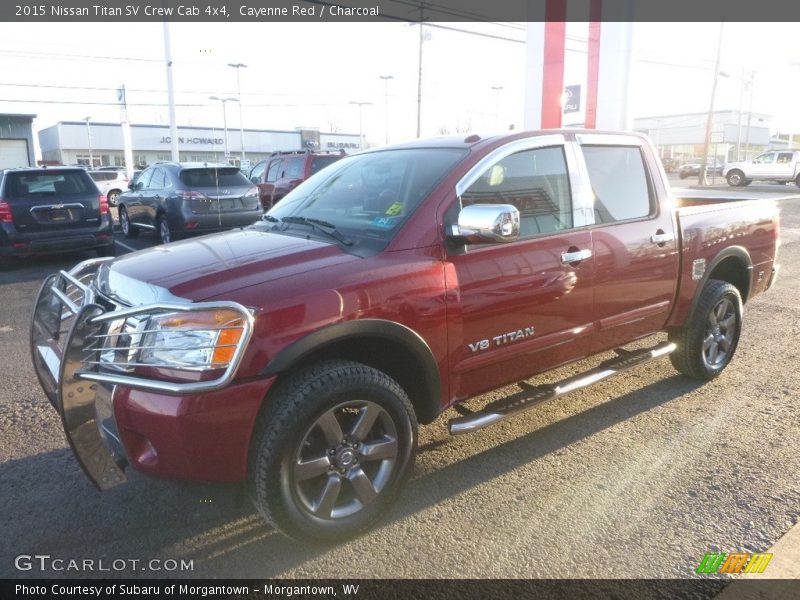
[81,142]
[16,140]
[683,136]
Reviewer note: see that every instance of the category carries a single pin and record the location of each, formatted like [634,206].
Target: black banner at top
[184,11]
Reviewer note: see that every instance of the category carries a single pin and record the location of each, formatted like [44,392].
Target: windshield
[367,197]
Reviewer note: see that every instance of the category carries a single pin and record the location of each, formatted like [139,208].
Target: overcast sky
[307,74]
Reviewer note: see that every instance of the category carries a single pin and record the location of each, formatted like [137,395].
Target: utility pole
[739,121]
[749,115]
[496,89]
[701,178]
[89,138]
[239,67]
[419,72]
[360,105]
[173,125]
[386,79]
[225,121]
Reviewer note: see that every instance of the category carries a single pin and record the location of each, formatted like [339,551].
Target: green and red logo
[734,563]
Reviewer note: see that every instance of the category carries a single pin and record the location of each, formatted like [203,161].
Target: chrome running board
[507,407]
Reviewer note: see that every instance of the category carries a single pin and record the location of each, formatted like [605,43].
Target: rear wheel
[708,340]
[163,230]
[735,178]
[109,250]
[331,450]
[129,230]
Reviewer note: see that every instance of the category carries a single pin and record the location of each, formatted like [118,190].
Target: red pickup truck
[299,354]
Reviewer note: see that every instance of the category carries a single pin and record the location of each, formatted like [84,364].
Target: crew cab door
[784,165]
[636,257]
[518,308]
[762,166]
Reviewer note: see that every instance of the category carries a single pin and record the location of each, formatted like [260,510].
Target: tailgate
[219,189]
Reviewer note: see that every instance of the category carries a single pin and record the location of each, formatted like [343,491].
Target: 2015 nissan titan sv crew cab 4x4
[299,354]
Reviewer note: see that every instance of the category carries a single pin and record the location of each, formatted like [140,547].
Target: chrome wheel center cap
[345,458]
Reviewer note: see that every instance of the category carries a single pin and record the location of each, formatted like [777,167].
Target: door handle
[662,238]
[576,256]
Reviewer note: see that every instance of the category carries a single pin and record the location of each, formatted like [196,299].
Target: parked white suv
[776,165]
[110,183]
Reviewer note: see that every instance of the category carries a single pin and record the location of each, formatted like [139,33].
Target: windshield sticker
[384,222]
[395,209]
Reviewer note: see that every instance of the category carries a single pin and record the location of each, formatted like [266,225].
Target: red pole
[553,72]
[593,74]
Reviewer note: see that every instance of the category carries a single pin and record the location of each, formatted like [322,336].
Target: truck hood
[212,265]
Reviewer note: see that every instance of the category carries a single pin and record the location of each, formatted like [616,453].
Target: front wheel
[113,197]
[735,178]
[708,340]
[331,450]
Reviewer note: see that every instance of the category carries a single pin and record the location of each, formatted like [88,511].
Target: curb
[782,573]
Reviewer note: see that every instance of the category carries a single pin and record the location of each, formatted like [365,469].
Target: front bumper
[194,430]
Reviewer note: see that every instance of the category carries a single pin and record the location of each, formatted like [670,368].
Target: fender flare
[391,331]
[730,252]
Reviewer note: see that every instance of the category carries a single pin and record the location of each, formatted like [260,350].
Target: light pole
[701,178]
[239,67]
[360,105]
[496,89]
[386,79]
[225,119]
[89,138]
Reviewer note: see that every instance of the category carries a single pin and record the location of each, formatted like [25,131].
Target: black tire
[109,250]
[747,182]
[162,228]
[735,178]
[303,503]
[797,181]
[129,230]
[683,175]
[113,197]
[708,340]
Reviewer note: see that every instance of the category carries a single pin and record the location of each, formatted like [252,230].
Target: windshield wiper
[320,225]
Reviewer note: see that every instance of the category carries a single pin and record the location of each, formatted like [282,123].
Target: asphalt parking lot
[639,476]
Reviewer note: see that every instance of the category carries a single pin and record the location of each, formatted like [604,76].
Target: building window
[164,157]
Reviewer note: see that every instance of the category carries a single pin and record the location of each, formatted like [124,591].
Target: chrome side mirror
[487,223]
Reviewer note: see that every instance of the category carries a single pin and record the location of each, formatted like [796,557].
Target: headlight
[191,340]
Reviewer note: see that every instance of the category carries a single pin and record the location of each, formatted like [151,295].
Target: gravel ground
[639,476]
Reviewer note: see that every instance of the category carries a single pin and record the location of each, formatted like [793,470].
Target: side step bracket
[534,395]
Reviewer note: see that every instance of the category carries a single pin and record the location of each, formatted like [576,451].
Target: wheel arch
[732,265]
[387,346]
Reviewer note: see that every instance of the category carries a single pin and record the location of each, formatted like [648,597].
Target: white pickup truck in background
[776,165]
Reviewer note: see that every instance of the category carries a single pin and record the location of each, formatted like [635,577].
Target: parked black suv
[173,198]
[52,209]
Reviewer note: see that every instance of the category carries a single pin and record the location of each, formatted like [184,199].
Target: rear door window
[619,182]
[158,181]
[293,168]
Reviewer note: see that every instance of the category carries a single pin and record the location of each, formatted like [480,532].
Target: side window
[536,182]
[619,181]
[765,158]
[143,181]
[784,157]
[293,168]
[274,166]
[158,181]
[258,170]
